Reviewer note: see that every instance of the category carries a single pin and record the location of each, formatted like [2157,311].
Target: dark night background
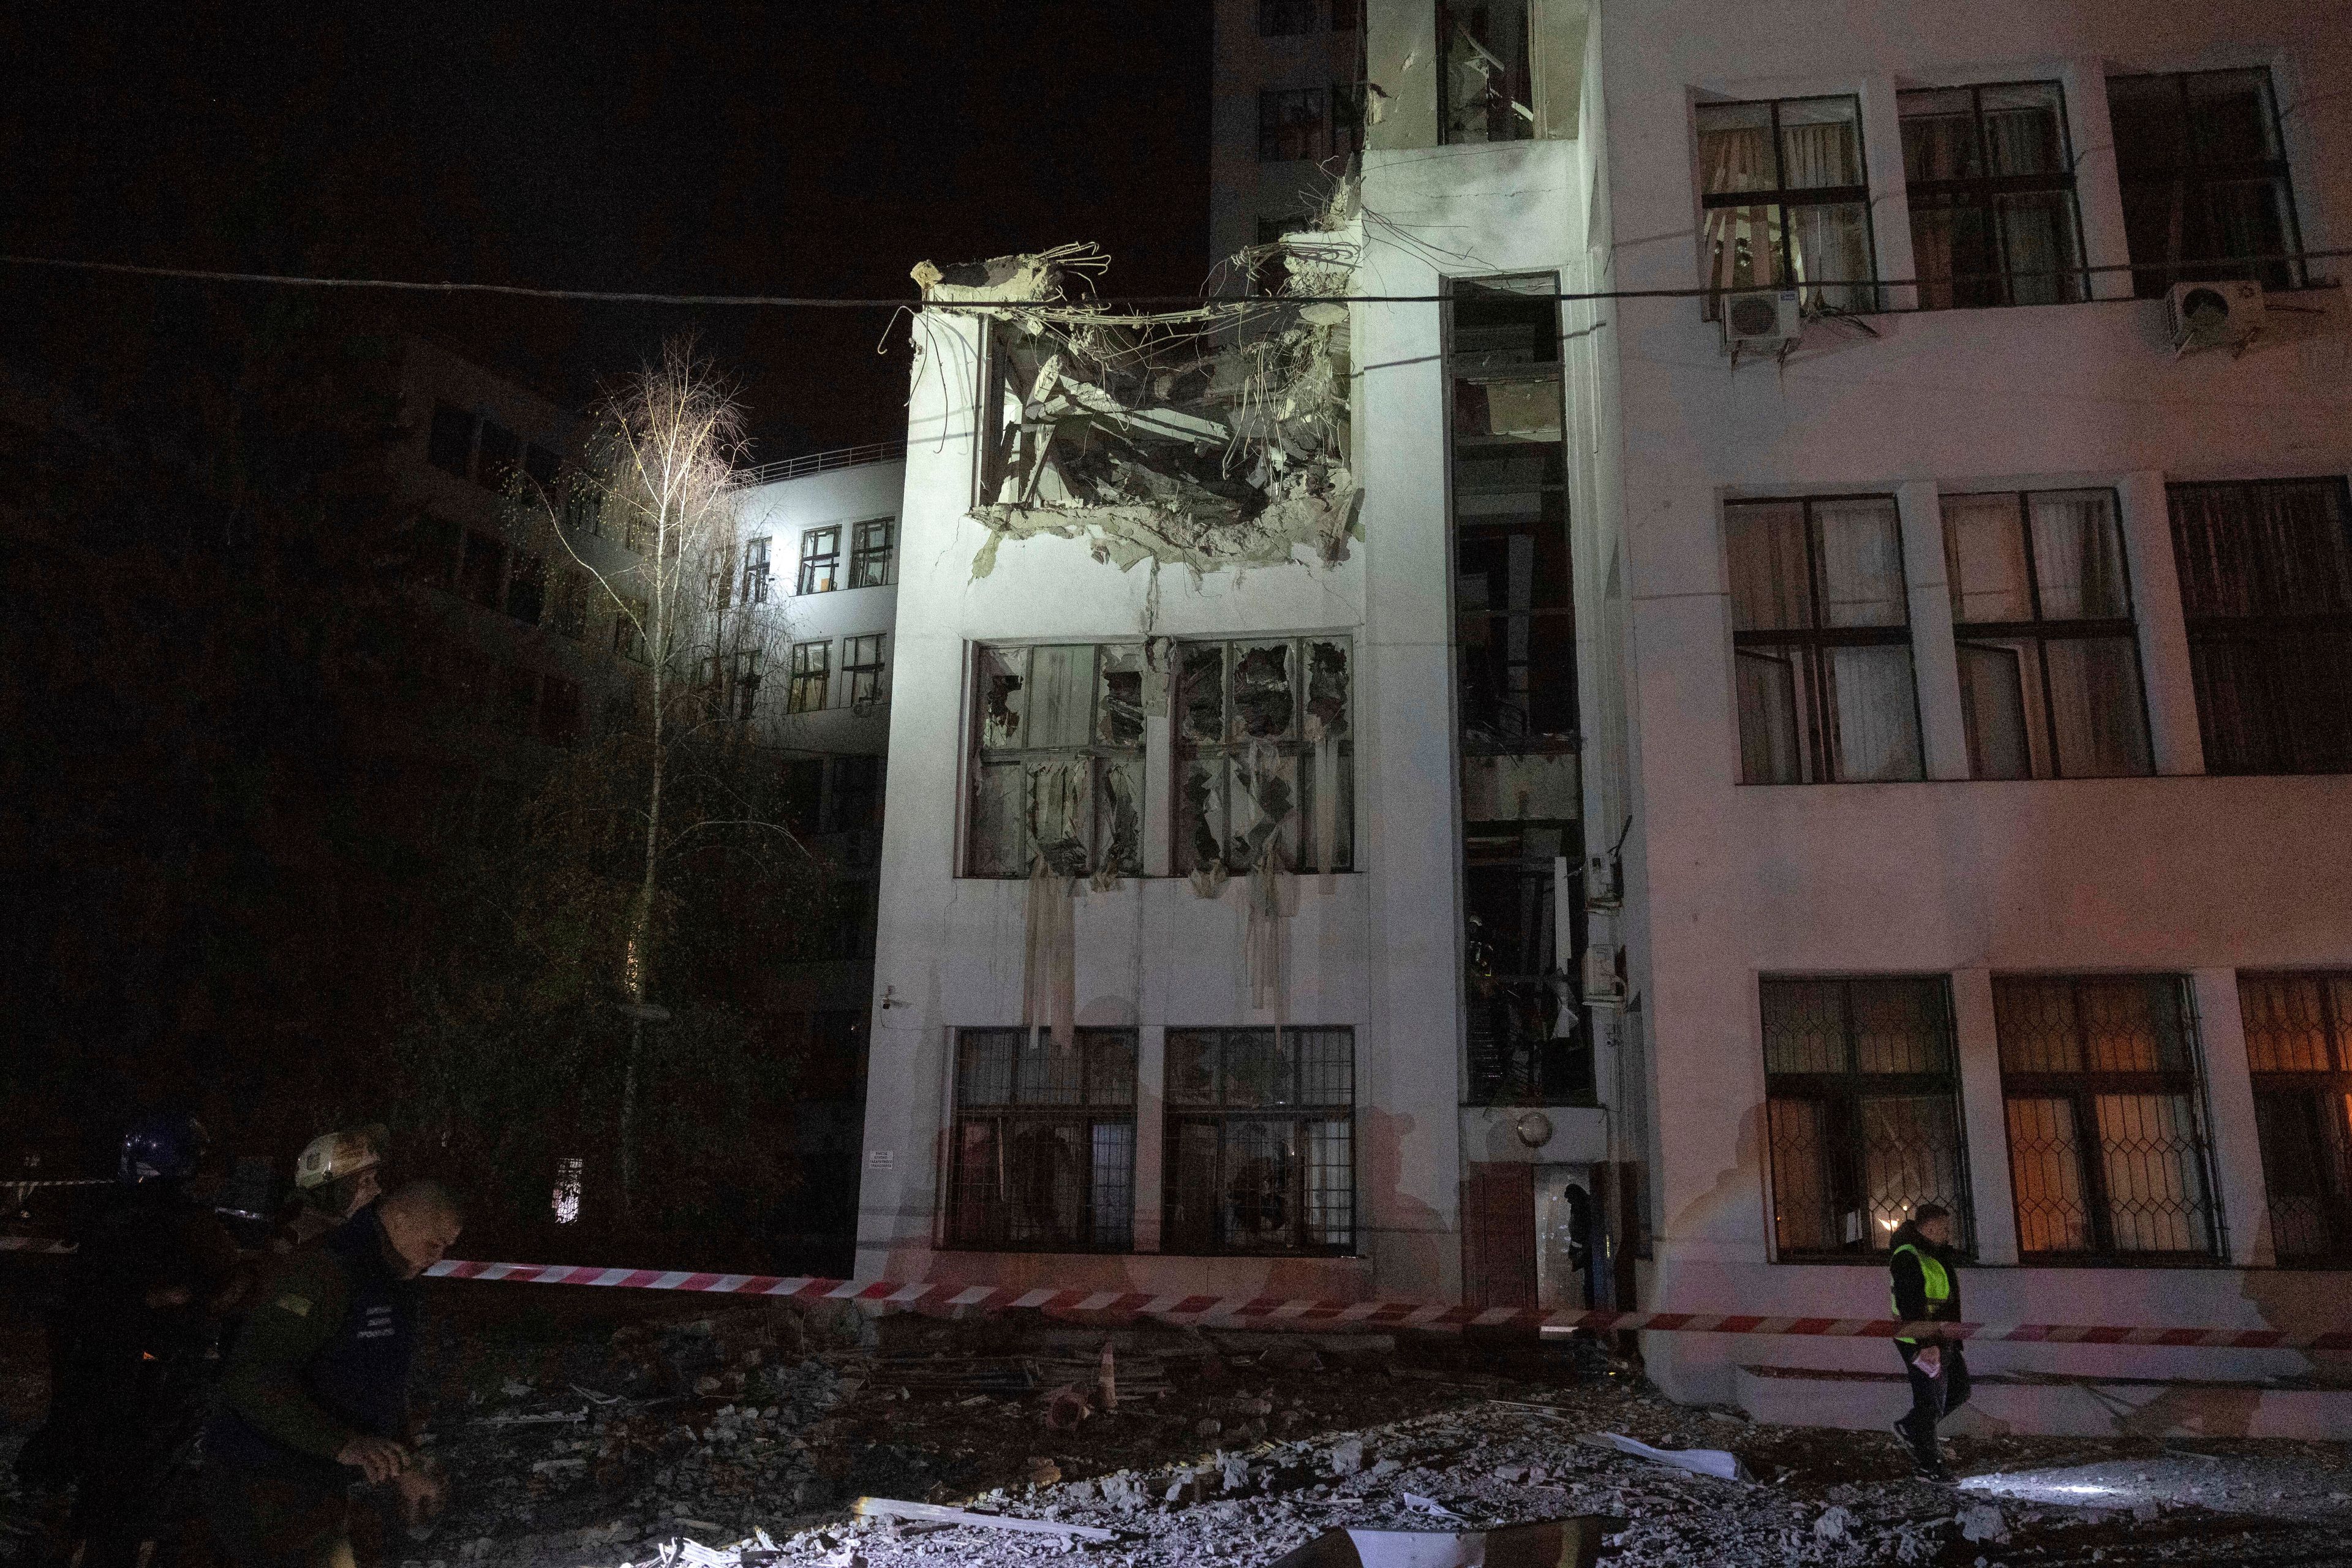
[225,880]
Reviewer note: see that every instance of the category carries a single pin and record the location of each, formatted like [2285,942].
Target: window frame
[865,675]
[1780,197]
[1295,747]
[2272,634]
[1299,1115]
[1989,187]
[2081,1089]
[1522,87]
[1273,127]
[813,559]
[2153,280]
[2041,630]
[1847,1090]
[1812,642]
[2321,1093]
[810,681]
[979,756]
[1086,1111]
[865,554]
[757,570]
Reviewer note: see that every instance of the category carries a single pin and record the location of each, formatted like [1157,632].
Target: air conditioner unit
[2213,315]
[1762,320]
[1601,986]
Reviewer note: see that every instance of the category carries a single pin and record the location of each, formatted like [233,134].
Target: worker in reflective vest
[1925,1272]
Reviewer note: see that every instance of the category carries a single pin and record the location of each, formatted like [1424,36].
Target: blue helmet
[165,1147]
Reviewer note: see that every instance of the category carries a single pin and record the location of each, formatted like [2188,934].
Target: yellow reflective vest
[1937,1277]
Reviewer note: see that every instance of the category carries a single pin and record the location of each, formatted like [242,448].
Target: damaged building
[1693,667]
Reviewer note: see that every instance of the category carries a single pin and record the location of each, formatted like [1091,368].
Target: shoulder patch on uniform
[298,1305]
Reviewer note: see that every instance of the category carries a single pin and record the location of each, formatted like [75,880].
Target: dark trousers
[1933,1398]
[270,1521]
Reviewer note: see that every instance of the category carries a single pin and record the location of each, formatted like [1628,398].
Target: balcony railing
[822,462]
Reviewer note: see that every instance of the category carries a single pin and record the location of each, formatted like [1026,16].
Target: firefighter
[315,1396]
[1926,1289]
[338,1174]
[150,1274]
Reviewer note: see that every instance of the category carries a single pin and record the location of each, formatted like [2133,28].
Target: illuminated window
[2299,1050]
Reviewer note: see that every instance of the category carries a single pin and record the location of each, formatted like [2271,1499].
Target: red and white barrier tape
[1265,1310]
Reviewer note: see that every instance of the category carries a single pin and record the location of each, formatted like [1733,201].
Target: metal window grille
[1785,199]
[2042,611]
[1821,641]
[2207,192]
[1260,1147]
[812,672]
[2266,588]
[755,570]
[821,560]
[870,553]
[1044,1144]
[1258,723]
[1990,174]
[1058,759]
[861,661]
[2108,1151]
[1861,1086]
[2299,1051]
[1290,124]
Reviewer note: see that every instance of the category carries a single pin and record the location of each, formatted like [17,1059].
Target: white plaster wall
[782,511]
[2183,874]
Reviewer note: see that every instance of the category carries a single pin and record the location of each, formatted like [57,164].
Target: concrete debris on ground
[743,1437]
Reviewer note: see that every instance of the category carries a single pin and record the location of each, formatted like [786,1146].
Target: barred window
[2107,1140]
[1862,1096]
[812,672]
[2299,1051]
[1045,1141]
[870,553]
[1260,1142]
[1991,180]
[861,661]
[1821,641]
[1787,200]
[2205,185]
[2042,611]
[1058,770]
[1290,124]
[1262,740]
[2266,588]
[821,560]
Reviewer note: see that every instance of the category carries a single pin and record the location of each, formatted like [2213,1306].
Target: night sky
[800,147]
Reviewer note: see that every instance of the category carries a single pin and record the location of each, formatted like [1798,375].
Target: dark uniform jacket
[324,1359]
[1909,1281]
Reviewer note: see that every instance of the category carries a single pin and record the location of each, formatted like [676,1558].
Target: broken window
[1529,1043]
[869,554]
[861,661]
[812,671]
[1516,635]
[1821,641]
[449,444]
[741,698]
[2106,1141]
[1863,1103]
[565,1200]
[1260,1142]
[1044,1144]
[2299,1051]
[1787,200]
[1485,79]
[755,570]
[2041,614]
[2266,587]
[821,560]
[1059,770]
[1264,754]
[1290,124]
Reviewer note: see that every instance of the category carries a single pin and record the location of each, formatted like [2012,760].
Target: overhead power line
[823,302]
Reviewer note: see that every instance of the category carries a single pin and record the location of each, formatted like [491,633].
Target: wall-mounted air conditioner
[2213,315]
[1762,320]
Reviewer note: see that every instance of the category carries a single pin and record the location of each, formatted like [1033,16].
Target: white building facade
[1934,732]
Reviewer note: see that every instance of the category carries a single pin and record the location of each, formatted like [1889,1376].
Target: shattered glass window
[1058,769]
[870,553]
[1264,754]
[1260,1142]
[1487,81]
[821,560]
[812,672]
[1044,1150]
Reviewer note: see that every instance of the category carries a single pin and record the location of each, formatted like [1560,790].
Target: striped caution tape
[1273,1311]
[33,1244]
[61,1182]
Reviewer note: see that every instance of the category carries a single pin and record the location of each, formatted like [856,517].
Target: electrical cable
[1198,302]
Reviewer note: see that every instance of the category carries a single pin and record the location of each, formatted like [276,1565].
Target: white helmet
[332,1156]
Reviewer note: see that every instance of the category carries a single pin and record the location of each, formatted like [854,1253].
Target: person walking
[315,1396]
[1925,1287]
